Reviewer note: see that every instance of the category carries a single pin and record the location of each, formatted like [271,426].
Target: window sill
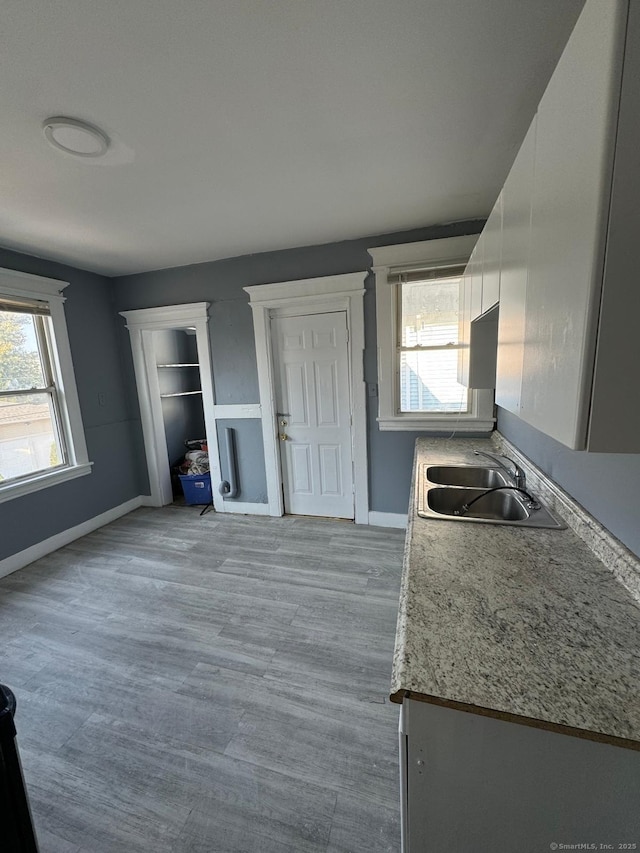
[9,491]
[454,423]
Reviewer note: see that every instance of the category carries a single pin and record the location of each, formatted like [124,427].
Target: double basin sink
[475,493]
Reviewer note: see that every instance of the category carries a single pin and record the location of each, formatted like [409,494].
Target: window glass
[428,347]
[30,437]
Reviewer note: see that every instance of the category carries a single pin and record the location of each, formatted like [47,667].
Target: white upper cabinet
[492,237]
[516,238]
[571,220]
[475,272]
[571,188]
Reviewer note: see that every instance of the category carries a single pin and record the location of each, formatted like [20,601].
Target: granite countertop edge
[525,625]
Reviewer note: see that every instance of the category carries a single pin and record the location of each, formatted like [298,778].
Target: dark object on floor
[18,835]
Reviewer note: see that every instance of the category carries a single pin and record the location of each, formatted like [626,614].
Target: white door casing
[308,296]
[314,411]
[141,325]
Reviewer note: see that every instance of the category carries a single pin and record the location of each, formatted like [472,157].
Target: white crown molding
[35,286]
[449,250]
[335,285]
[167,316]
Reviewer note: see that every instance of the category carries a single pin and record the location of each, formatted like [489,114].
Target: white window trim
[13,283]
[430,253]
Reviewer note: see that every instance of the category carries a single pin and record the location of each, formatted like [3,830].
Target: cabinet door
[492,256]
[464,328]
[614,424]
[516,236]
[572,178]
[475,270]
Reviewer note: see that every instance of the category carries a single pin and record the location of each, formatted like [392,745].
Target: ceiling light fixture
[75,137]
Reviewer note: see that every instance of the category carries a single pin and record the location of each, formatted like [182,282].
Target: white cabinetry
[571,189]
[477,783]
[567,329]
[477,328]
[516,236]
[491,258]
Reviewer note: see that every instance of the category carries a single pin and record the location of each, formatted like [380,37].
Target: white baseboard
[147,500]
[388,519]
[246,508]
[41,549]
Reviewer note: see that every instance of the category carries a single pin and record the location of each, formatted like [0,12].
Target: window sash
[396,280]
[43,333]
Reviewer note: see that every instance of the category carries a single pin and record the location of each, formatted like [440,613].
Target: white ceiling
[248,125]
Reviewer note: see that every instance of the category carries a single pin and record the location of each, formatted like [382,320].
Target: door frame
[142,323]
[312,296]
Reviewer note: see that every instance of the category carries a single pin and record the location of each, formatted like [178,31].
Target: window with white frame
[41,436]
[418,313]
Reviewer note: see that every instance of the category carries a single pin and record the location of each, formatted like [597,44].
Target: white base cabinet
[476,784]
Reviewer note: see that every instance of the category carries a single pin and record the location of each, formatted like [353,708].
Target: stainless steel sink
[477,494]
[467,475]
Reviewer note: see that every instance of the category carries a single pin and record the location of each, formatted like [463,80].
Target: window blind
[407,276]
[18,305]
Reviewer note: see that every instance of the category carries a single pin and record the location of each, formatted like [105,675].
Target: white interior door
[311,366]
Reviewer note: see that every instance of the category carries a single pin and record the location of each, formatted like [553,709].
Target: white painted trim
[147,500]
[70,412]
[17,489]
[448,250]
[246,508]
[142,323]
[53,543]
[429,253]
[388,519]
[454,424]
[309,296]
[33,286]
[167,316]
[238,410]
[287,292]
[49,290]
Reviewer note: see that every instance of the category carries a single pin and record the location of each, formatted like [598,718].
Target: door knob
[283,436]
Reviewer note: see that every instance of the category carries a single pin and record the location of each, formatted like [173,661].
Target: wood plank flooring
[209,684]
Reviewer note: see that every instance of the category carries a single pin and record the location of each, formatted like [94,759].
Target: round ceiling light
[75,137]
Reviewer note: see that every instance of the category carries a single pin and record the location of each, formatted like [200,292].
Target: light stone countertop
[522,624]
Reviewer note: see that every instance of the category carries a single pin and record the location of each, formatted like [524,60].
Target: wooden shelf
[181,394]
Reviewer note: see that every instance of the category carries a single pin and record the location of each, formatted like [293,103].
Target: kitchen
[553,436]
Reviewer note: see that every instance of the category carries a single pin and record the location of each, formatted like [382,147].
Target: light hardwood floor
[207,684]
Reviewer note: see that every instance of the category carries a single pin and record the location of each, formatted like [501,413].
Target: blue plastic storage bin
[196,488]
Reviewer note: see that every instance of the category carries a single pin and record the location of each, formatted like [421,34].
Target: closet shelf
[178,365]
[181,394]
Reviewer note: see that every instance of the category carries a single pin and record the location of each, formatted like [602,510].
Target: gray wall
[252,479]
[606,484]
[94,339]
[233,349]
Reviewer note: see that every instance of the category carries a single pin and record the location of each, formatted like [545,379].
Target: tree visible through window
[30,430]
[427,346]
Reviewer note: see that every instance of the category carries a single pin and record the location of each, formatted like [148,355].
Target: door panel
[327,403]
[301,470]
[311,368]
[297,405]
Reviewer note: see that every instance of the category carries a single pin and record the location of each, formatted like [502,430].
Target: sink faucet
[517,475]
